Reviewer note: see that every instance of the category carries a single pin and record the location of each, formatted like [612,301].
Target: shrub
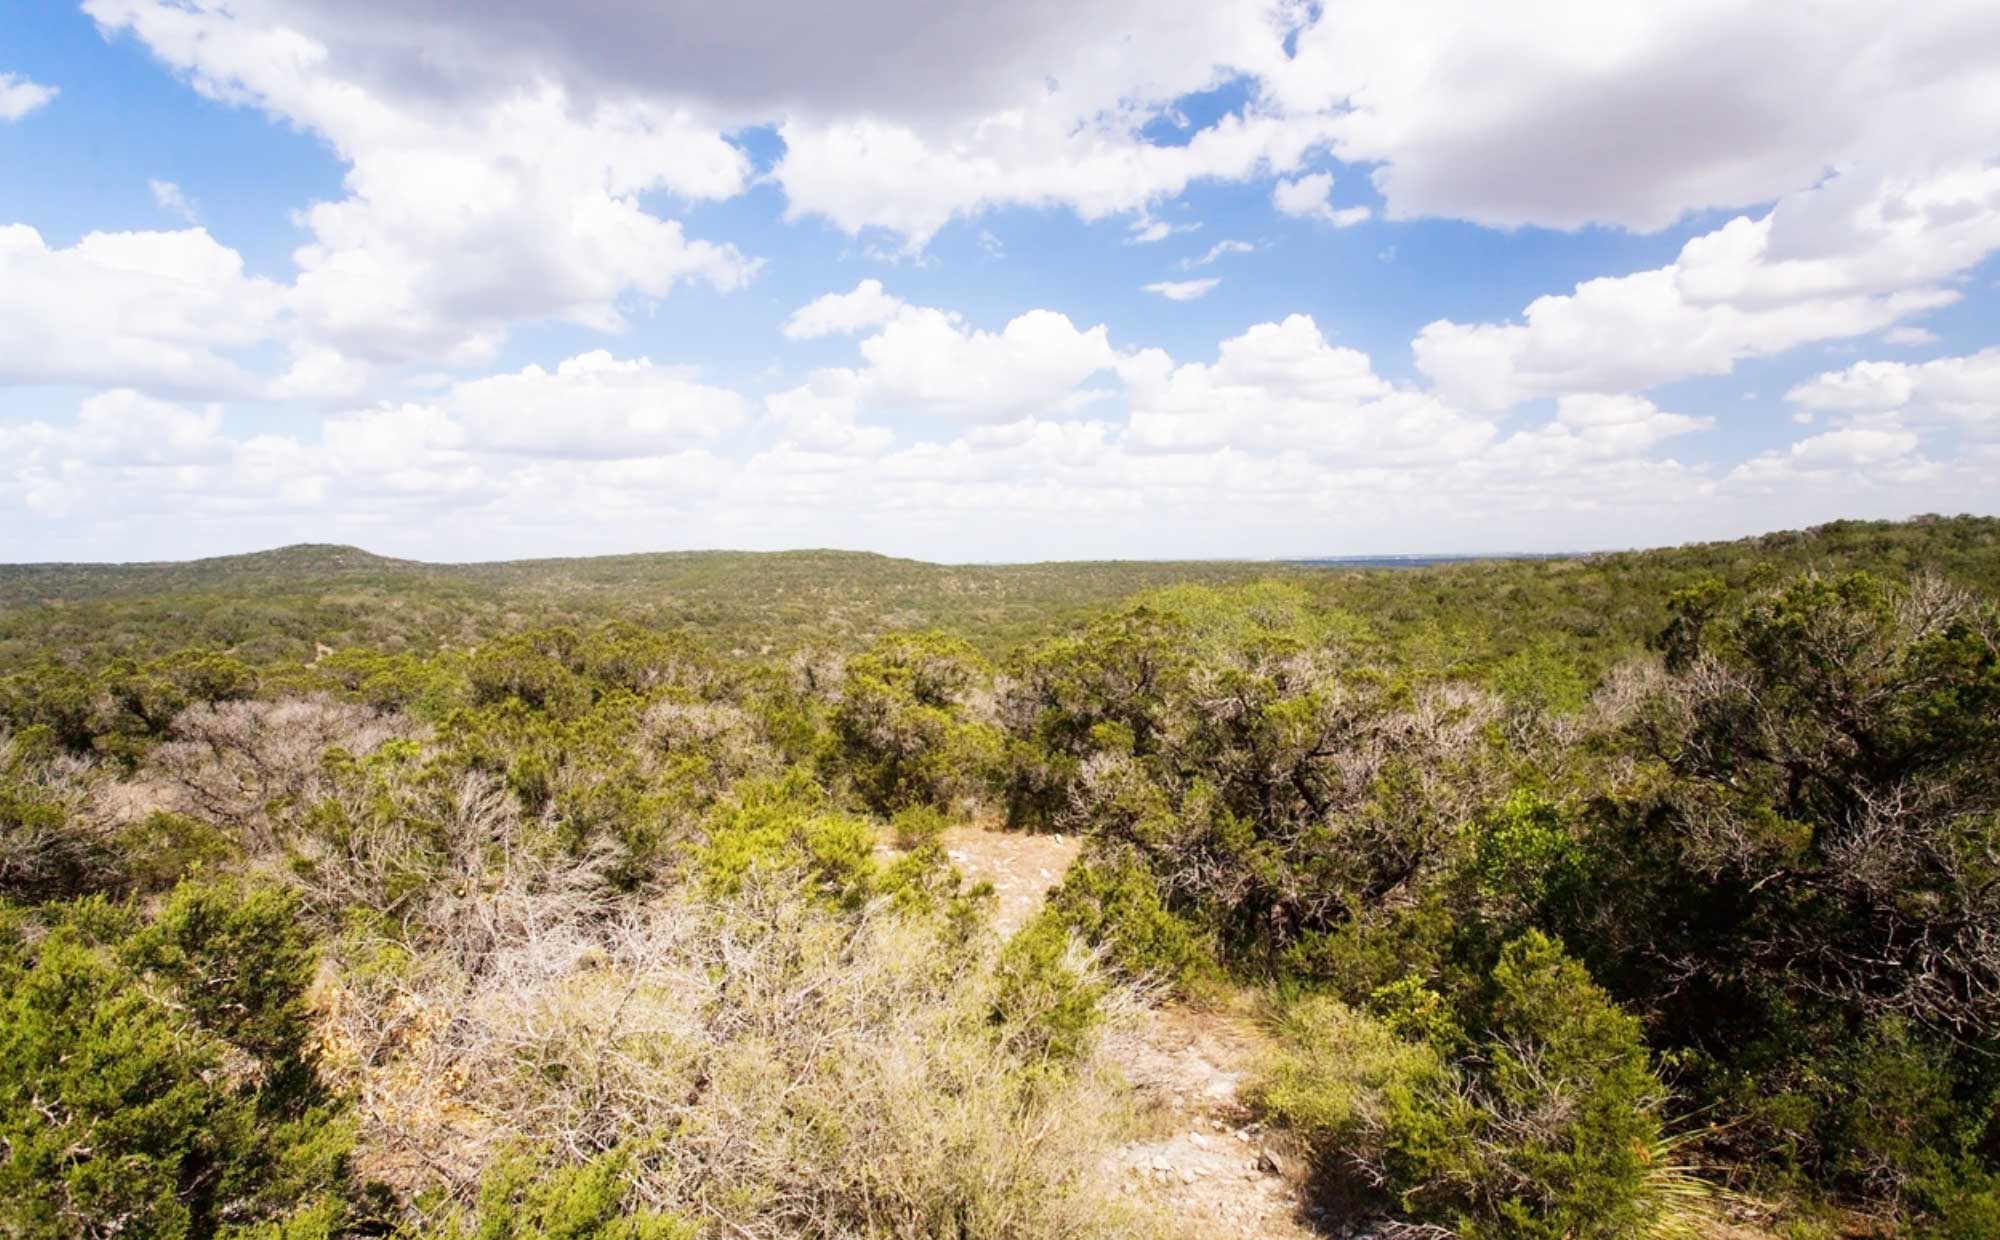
[523,1198]
[1046,994]
[903,733]
[1331,1078]
[239,960]
[1548,1130]
[54,839]
[1115,903]
[915,826]
[766,1062]
[127,1106]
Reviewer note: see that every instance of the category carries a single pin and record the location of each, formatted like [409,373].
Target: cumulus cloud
[1183,290]
[167,310]
[1304,444]
[517,162]
[898,116]
[1960,390]
[1311,197]
[464,214]
[1634,114]
[843,313]
[869,173]
[593,406]
[1846,258]
[1594,427]
[1283,385]
[931,362]
[927,363]
[20,96]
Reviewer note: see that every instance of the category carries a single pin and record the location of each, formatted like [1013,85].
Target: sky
[1055,279]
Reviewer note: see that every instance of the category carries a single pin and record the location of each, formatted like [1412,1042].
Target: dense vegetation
[1601,897]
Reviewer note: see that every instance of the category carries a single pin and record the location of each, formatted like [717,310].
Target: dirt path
[1201,1157]
[1208,1162]
[1021,867]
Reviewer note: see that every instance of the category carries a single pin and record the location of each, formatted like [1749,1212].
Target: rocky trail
[1202,1158]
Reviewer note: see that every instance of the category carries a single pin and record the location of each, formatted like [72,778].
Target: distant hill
[289,601]
[23,583]
[286,603]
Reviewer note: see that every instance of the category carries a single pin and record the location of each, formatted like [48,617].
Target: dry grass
[777,1066]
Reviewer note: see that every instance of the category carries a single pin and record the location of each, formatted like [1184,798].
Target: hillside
[281,604]
[284,604]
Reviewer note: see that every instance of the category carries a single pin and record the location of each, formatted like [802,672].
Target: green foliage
[1047,998]
[1771,837]
[127,1105]
[1548,1130]
[915,826]
[782,826]
[902,729]
[524,1199]
[1817,857]
[1542,679]
[240,962]
[1115,903]
[162,847]
[1527,857]
[1331,1080]
[127,705]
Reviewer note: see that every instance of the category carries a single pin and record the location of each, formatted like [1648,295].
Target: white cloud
[819,416]
[168,197]
[1855,458]
[868,173]
[1306,195]
[897,115]
[20,96]
[1961,390]
[164,310]
[1283,386]
[1598,426]
[930,362]
[894,114]
[1183,290]
[1908,337]
[518,162]
[592,406]
[1147,230]
[867,305]
[1216,251]
[1847,258]
[1633,114]
[1310,197]
[464,214]
[123,427]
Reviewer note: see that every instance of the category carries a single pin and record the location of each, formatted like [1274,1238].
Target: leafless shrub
[816,671]
[720,740]
[58,831]
[230,762]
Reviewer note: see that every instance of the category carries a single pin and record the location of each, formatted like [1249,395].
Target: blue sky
[1055,281]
